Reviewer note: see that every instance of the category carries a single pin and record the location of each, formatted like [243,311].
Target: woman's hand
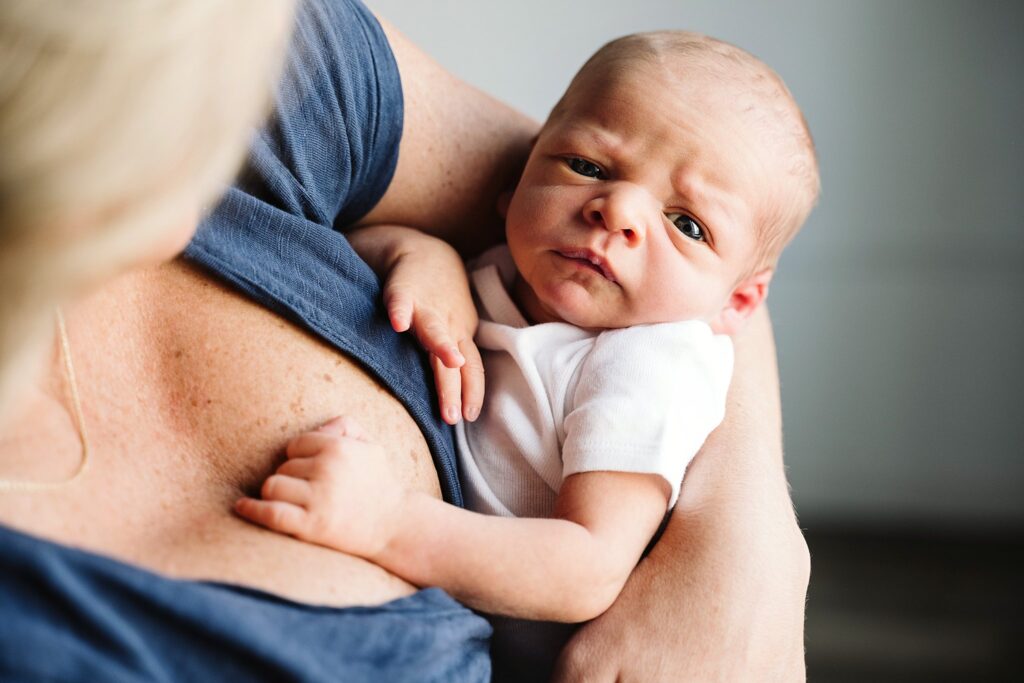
[336,489]
[426,291]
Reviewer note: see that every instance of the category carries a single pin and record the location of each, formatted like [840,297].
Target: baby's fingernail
[471,413]
[451,415]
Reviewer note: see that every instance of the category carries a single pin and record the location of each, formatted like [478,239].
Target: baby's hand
[336,489]
[429,293]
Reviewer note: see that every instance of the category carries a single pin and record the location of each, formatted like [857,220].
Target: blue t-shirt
[323,160]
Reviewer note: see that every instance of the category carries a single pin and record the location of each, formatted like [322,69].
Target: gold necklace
[76,405]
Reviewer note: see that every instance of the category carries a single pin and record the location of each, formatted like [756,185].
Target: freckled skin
[183,434]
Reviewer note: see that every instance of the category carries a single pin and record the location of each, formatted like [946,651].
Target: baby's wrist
[398,523]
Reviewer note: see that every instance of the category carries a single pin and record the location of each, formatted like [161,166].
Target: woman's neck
[39,440]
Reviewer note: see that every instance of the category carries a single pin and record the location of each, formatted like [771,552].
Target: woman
[175,387]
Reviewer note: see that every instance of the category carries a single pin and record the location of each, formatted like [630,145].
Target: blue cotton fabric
[73,616]
[324,159]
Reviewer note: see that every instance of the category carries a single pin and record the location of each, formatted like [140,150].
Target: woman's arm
[460,150]
[721,596]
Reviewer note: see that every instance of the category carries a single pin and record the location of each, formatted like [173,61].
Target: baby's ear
[742,303]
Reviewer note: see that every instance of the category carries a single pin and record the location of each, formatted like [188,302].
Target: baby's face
[639,204]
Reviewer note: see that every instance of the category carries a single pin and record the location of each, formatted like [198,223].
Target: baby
[642,235]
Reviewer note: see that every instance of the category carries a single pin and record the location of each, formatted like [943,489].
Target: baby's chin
[582,304]
[588,315]
[571,303]
[580,310]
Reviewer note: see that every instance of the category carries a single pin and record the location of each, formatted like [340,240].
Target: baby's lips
[592,257]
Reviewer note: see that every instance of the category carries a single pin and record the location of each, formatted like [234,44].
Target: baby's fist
[335,489]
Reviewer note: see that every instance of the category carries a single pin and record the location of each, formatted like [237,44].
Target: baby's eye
[584,167]
[687,226]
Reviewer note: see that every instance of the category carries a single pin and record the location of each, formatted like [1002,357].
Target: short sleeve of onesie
[646,399]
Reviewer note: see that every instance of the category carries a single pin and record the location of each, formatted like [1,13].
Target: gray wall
[899,310]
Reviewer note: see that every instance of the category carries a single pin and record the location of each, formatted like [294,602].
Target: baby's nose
[623,210]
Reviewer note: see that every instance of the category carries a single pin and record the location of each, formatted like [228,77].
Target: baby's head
[662,187]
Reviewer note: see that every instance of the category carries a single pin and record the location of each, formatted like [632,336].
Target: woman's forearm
[740,465]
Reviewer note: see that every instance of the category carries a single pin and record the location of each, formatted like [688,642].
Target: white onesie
[561,400]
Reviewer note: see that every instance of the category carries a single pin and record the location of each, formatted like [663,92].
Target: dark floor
[914,607]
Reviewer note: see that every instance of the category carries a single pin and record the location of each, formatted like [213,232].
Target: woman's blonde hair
[116,118]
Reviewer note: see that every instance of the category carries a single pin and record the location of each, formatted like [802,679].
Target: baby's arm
[569,568]
[426,290]
[336,490]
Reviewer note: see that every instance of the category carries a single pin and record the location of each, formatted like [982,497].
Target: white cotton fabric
[562,400]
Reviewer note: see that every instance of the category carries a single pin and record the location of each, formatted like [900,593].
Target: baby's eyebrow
[592,137]
[688,185]
[712,205]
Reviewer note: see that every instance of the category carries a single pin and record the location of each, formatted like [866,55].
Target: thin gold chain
[76,406]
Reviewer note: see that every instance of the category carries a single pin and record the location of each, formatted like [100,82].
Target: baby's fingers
[344,425]
[399,305]
[472,380]
[286,518]
[436,338]
[331,436]
[287,489]
[449,390]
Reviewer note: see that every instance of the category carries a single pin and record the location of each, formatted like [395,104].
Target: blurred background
[899,311]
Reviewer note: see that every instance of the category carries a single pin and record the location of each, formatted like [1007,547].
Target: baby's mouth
[591,260]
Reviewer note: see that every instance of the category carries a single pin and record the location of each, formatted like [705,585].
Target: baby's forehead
[686,56]
[687,63]
[651,109]
[749,110]
[680,85]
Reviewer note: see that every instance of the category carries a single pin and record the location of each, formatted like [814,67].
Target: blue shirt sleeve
[330,149]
